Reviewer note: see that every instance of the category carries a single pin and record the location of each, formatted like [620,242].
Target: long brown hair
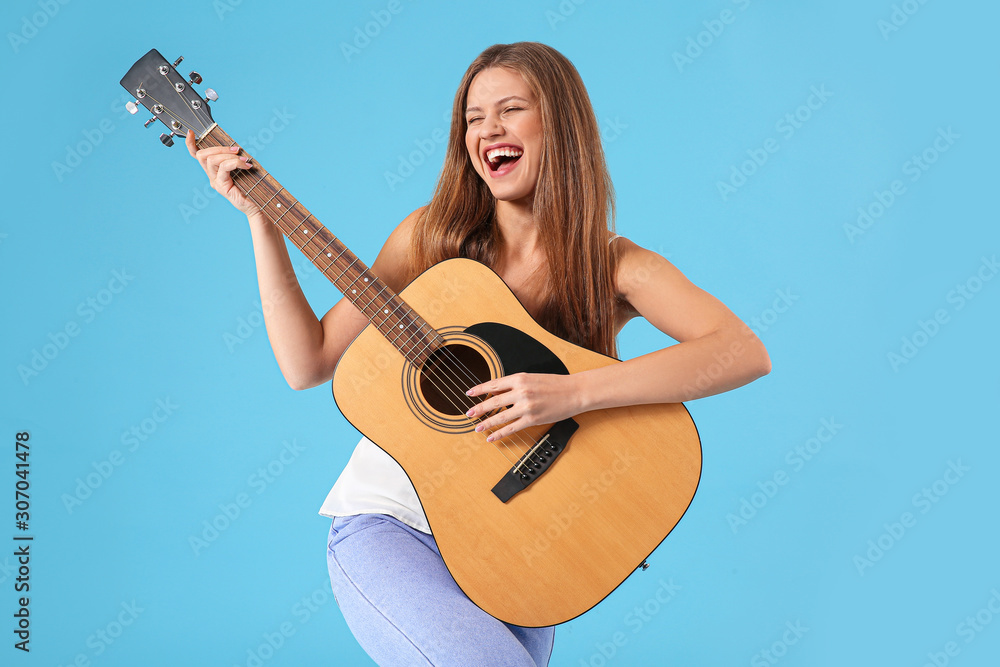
[573,200]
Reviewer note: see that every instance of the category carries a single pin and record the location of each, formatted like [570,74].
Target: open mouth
[503,157]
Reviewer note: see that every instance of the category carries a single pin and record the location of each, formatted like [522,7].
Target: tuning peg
[194,78]
[167,139]
[178,61]
[132,107]
[149,122]
[211,95]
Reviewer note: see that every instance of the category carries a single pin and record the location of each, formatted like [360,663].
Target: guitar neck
[401,325]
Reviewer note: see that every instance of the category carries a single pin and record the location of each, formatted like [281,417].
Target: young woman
[524,189]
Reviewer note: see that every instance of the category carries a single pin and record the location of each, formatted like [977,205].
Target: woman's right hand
[218,162]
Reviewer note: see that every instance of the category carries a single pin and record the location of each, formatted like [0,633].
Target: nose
[491,126]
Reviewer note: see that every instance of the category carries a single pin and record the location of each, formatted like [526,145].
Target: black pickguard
[520,353]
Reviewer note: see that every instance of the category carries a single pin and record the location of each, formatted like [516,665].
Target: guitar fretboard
[404,328]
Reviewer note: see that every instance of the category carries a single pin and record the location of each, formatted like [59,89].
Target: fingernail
[468,393]
[469,413]
[234,149]
[491,438]
[479,428]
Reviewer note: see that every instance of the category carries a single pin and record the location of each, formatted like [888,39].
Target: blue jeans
[404,607]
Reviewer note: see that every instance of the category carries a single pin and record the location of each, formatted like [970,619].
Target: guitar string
[180,95]
[167,111]
[434,377]
[186,103]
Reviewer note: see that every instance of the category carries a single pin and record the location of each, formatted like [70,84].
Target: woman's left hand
[530,399]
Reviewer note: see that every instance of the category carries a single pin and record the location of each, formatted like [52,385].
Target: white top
[373,483]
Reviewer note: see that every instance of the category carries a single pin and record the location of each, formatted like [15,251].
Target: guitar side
[559,547]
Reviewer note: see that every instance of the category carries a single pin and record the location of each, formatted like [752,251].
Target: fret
[374,298]
[289,209]
[256,184]
[417,334]
[272,197]
[395,341]
[313,259]
[365,280]
[403,327]
[390,314]
[335,260]
[344,271]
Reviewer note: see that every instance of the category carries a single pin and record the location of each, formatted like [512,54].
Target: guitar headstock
[171,98]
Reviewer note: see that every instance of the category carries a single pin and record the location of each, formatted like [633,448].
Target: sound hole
[448,374]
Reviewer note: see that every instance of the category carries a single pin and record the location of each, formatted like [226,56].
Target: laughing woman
[524,190]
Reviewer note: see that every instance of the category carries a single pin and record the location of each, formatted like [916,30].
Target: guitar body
[561,545]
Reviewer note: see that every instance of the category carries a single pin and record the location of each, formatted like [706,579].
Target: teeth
[506,151]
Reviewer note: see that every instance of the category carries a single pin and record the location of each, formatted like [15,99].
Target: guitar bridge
[536,461]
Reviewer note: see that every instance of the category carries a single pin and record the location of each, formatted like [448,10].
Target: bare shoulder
[658,291]
[392,263]
[634,268]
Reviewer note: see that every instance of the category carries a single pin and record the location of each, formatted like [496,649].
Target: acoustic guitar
[537,527]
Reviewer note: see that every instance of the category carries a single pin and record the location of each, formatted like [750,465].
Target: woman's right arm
[307,349]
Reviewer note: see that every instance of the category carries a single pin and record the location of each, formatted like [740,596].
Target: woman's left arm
[716,352]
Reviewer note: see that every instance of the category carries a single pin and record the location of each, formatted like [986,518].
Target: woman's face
[504,133]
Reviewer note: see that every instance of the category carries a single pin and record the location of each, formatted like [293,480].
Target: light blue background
[672,133]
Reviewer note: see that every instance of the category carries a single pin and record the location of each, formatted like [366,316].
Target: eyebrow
[499,102]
